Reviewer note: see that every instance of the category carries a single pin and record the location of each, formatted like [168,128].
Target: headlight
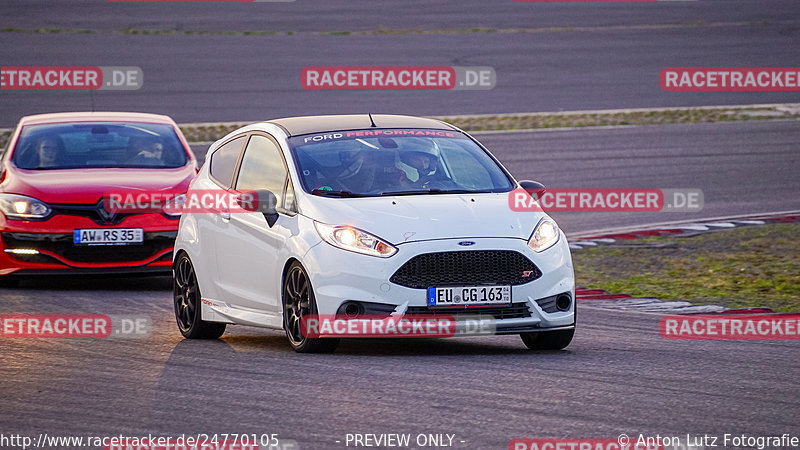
[174,206]
[355,240]
[21,207]
[544,236]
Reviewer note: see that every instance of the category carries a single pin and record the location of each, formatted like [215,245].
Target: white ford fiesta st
[367,216]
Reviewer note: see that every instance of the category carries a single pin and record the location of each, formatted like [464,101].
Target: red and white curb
[678,229]
[608,300]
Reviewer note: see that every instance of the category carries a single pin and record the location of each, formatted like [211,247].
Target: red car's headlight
[16,206]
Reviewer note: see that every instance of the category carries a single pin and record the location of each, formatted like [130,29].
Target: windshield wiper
[433,191]
[331,193]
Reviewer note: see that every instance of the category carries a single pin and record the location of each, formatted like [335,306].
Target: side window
[262,167]
[223,161]
[289,203]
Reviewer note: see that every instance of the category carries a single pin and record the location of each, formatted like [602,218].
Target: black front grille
[515,311]
[96,213]
[466,268]
[62,245]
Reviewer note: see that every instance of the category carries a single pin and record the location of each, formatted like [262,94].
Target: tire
[186,295]
[548,340]
[299,301]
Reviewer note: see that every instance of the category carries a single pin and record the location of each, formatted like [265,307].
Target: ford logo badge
[466,243]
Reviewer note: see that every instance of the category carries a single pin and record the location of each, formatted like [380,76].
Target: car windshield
[371,163]
[98,145]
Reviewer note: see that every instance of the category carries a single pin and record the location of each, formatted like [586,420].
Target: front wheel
[299,302]
[186,294]
[548,340]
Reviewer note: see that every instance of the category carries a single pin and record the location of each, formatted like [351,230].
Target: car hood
[424,217]
[89,185]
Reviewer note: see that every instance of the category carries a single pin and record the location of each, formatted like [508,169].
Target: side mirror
[533,188]
[262,201]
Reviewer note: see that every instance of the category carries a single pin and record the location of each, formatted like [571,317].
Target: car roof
[95,117]
[295,126]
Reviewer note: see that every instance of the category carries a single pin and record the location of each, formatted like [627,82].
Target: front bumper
[55,252]
[339,276]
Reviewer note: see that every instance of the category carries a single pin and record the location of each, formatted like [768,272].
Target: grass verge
[209,132]
[738,268]
[532,121]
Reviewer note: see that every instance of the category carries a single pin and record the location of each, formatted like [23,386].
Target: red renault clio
[54,177]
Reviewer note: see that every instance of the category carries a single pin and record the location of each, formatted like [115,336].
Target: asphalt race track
[550,56]
[741,167]
[618,375]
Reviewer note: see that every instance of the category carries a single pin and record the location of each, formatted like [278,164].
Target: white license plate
[468,296]
[108,236]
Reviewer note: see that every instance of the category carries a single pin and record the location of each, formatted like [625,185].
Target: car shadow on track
[437,347]
[94,283]
[490,345]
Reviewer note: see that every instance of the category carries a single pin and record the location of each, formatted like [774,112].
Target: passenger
[146,153]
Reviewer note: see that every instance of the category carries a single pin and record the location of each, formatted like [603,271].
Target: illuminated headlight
[544,236]
[355,240]
[174,206]
[21,207]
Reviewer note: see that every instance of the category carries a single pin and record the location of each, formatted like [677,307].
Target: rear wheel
[186,294]
[548,340]
[299,302]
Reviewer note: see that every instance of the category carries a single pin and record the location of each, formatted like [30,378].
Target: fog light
[563,302]
[22,251]
[351,309]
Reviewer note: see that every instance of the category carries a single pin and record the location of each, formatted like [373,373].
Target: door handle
[226,215]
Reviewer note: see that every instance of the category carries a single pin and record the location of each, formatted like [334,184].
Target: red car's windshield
[98,145]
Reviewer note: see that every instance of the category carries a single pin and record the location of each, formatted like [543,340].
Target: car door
[250,252]
[222,164]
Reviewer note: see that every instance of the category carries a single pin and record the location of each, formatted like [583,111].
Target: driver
[355,173]
[424,160]
[47,151]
